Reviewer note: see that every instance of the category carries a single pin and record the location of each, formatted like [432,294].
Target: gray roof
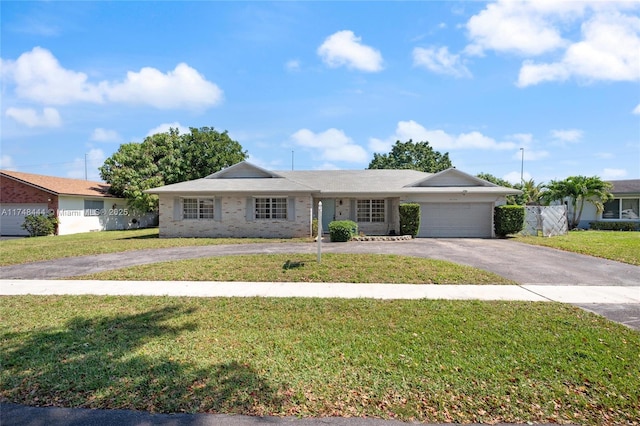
[249,179]
[355,181]
[629,186]
[253,185]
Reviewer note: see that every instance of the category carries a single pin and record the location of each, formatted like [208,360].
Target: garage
[456,220]
[12,217]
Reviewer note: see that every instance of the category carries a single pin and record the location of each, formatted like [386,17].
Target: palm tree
[532,192]
[576,190]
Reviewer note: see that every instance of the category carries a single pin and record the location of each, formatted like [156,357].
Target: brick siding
[12,191]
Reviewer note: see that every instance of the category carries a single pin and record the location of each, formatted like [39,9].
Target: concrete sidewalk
[534,293]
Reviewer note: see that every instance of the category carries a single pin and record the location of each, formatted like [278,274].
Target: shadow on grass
[142,237]
[121,362]
[292,265]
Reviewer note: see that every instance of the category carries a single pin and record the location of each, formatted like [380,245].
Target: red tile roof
[61,186]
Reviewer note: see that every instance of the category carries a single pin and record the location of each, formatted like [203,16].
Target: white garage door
[453,220]
[12,217]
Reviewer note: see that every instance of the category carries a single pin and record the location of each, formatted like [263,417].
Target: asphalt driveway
[523,263]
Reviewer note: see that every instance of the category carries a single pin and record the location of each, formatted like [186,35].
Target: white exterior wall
[233,221]
[72,219]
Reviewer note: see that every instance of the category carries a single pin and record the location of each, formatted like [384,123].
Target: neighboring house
[79,205]
[625,206]
[245,200]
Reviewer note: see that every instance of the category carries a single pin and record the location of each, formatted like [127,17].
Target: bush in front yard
[508,219]
[342,230]
[614,226]
[38,225]
[409,219]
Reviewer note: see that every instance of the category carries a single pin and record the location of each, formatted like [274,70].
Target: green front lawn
[432,361]
[25,250]
[345,268]
[620,246]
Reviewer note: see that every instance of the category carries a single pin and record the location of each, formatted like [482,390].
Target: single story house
[245,200]
[624,207]
[79,205]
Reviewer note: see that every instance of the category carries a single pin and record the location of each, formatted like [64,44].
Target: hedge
[508,219]
[409,219]
[614,226]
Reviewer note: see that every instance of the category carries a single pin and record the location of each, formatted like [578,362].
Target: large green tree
[412,155]
[576,190]
[166,158]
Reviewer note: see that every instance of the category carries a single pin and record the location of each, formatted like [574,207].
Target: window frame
[199,211]
[274,208]
[619,209]
[371,212]
[91,209]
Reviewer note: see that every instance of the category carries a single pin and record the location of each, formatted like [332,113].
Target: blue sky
[330,82]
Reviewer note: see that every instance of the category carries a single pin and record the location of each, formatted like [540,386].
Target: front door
[328,213]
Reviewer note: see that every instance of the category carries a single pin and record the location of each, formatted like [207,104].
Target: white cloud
[94,159]
[344,48]
[6,162]
[609,174]
[105,135]
[292,65]
[517,27]
[39,77]
[567,136]
[605,47]
[609,51]
[636,110]
[438,139]
[327,166]
[523,139]
[604,155]
[164,128]
[514,177]
[184,87]
[31,118]
[440,61]
[333,145]
[531,155]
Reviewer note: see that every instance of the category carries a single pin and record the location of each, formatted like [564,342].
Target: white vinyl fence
[545,221]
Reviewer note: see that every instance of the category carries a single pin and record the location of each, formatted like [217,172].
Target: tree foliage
[167,158]
[576,190]
[412,155]
[511,199]
[532,192]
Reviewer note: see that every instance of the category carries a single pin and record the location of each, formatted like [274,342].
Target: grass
[348,268]
[35,249]
[431,361]
[619,246]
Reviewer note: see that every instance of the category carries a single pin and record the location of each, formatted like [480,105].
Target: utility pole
[85,167]
[292,152]
[522,168]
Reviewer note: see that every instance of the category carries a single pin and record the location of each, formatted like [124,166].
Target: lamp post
[319,231]
[522,168]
